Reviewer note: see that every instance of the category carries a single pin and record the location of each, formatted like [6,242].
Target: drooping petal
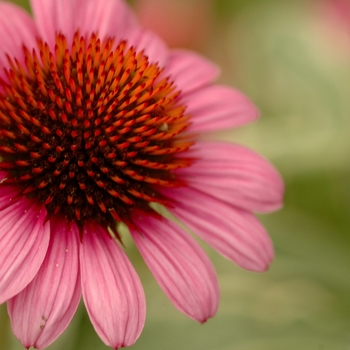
[235,175]
[112,291]
[233,232]
[16,29]
[218,107]
[179,265]
[105,17]
[24,239]
[189,70]
[44,309]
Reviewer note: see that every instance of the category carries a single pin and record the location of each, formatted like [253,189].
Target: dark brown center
[90,130]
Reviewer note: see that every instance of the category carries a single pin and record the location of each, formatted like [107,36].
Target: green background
[276,52]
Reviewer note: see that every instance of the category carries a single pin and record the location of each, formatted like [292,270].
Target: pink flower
[332,28]
[181,24]
[98,120]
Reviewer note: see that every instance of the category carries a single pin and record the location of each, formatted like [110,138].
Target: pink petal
[236,175]
[24,239]
[104,17]
[151,44]
[112,291]
[7,195]
[44,309]
[3,175]
[53,17]
[179,265]
[16,28]
[218,107]
[112,18]
[189,70]
[233,232]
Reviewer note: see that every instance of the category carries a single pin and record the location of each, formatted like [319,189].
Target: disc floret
[90,129]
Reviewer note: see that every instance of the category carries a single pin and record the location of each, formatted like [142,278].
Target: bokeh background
[293,59]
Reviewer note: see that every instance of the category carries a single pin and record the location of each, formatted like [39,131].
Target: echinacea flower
[99,121]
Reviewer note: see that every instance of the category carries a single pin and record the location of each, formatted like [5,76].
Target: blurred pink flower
[98,119]
[338,11]
[180,23]
[333,27]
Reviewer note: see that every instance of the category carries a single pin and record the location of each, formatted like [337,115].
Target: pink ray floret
[99,121]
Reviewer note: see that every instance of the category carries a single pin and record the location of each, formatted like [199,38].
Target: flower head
[99,121]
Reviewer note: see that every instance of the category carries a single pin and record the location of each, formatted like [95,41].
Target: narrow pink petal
[112,291]
[179,265]
[16,28]
[104,17]
[235,175]
[189,70]
[218,107]
[44,309]
[233,232]
[24,239]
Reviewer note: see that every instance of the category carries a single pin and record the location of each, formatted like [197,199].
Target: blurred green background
[293,59]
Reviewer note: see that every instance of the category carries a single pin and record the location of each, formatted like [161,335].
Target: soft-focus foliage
[281,54]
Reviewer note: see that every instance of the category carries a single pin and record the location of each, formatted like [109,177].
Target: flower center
[92,130]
